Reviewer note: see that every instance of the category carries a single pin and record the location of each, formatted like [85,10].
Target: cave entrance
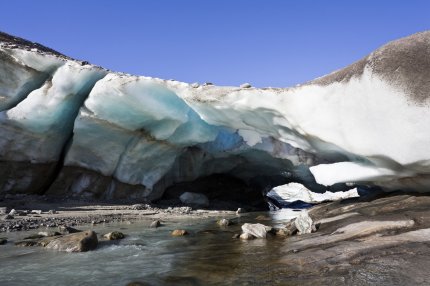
[225,192]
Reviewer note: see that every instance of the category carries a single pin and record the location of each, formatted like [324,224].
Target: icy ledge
[73,129]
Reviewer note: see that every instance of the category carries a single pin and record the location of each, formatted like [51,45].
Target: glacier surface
[74,129]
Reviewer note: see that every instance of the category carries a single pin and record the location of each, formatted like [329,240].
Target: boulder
[224,222]
[155,224]
[114,235]
[304,223]
[75,242]
[179,232]
[195,199]
[257,230]
[246,236]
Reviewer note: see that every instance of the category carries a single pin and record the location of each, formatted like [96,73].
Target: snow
[294,192]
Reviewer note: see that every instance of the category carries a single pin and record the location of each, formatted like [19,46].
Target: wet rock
[179,232]
[246,236]
[239,211]
[236,235]
[26,243]
[34,236]
[48,233]
[3,240]
[195,199]
[75,242]
[52,211]
[304,223]
[155,224]
[114,235]
[258,230]
[68,230]
[245,85]
[290,227]
[224,222]
[36,211]
[8,216]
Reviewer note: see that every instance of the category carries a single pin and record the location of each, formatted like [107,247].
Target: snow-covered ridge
[75,129]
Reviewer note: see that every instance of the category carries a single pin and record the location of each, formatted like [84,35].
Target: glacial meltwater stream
[209,255]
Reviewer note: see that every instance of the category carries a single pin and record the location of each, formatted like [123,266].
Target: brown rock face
[76,242]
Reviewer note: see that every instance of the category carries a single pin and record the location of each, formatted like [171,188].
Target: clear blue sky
[227,42]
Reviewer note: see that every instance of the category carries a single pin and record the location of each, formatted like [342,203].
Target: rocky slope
[69,128]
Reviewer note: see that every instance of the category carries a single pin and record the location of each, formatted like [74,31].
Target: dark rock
[114,235]
[26,243]
[3,240]
[34,236]
[155,224]
[236,235]
[75,242]
[8,216]
[68,230]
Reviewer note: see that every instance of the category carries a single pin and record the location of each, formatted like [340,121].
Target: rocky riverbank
[27,212]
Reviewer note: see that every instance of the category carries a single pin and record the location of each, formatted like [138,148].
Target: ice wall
[101,134]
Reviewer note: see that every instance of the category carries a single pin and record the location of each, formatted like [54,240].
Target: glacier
[72,129]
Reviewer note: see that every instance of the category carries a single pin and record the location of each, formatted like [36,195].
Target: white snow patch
[294,191]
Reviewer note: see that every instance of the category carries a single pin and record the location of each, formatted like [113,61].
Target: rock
[224,222]
[195,85]
[179,232]
[245,85]
[207,84]
[68,230]
[52,211]
[36,211]
[246,236]
[258,230]
[49,233]
[304,223]
[26,243]
[75,242]
[3,240]
[196,199]
[34,236]
[3,210]
[236,235]
[290,227]
[155,224]
[239,211]
[12,212]
[8,216]
[114,235]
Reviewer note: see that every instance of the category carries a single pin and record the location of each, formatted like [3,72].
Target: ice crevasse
[71,128]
